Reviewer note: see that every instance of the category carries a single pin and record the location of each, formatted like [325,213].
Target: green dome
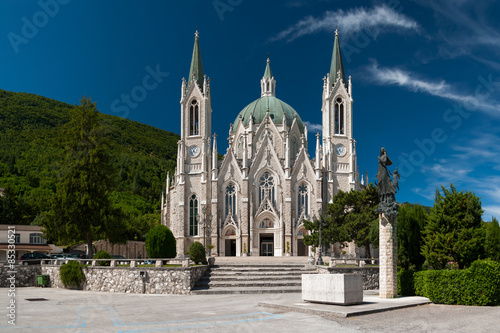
[277,108]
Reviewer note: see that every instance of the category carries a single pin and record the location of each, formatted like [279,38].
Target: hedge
[477,285]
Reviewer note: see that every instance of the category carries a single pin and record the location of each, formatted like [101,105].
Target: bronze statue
[386,188]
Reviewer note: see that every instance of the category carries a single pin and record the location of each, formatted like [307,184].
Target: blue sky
[426,74]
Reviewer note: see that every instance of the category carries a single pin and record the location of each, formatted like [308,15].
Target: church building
[253,201]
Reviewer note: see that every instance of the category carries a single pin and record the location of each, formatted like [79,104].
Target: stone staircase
[253,278]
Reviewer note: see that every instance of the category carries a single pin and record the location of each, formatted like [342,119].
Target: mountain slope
[32,154]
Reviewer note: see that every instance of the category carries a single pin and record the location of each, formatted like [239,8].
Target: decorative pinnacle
[336,32]
[196,34]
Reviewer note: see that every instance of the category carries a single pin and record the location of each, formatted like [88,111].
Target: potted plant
[211,260]
[287,249]
[244,249]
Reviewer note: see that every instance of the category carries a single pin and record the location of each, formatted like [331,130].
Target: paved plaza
[61,310]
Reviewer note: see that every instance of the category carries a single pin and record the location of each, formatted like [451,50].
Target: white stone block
[342,289]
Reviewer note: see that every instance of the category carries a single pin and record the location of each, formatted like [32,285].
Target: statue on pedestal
[386,186]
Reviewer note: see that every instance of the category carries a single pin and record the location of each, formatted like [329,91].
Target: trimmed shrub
[160,243]
[482,285]
[406,285]
[197,253]
[103,255]
[72,274]
[477,285]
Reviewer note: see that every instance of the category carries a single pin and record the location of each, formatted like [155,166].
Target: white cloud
[446,171]
[479,32]
[467,168]
[373,21]
[466,29]
[491,211]
[410,81]
[313,127]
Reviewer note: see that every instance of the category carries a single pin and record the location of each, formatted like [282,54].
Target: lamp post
[320,258]
[208,221]
[204,211]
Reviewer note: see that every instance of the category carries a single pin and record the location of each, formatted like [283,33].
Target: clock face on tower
[194,151]
[340,150]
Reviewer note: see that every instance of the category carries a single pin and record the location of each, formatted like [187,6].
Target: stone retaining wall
[370,274]
[161,280]
[24,276]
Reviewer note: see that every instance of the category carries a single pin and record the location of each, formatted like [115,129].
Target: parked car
[76,256]
[119,259]
[57,256]
[34,258]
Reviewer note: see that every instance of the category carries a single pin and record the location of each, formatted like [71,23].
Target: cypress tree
[81,209]
[453,231]
[492,241]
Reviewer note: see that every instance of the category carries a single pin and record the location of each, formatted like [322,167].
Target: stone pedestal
[388,283]
[345,289]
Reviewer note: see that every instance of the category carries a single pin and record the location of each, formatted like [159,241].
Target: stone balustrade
[122,275]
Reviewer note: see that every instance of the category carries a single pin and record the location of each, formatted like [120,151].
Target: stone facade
[254,200]
[388,256]
[370,274]
[171,280]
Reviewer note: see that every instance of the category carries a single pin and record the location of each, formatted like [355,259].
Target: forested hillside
[32,142]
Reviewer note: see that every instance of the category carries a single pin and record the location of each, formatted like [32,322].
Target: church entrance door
[230,248]
[267,245]
[301,248]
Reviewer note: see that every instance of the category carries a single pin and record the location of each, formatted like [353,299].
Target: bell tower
[339,147]
[196,120]
[194,157]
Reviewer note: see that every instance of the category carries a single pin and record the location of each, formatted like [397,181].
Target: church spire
[337,67]
[196,70]
[268,83]
[268,73]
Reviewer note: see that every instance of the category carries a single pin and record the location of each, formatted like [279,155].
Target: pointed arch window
[303,200]
[194,118]
[339,116]
[193,216]
[230,200]
[267,188]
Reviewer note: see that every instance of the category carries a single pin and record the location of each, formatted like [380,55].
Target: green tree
[411,223]
[14,208]
[160,243]
[81,209]
[197,253]
[453,231]
[350,217]
[492,240]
